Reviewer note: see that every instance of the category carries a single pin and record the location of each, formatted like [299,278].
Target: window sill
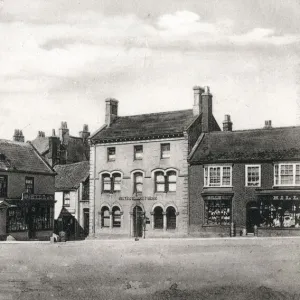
[253,186]
[223,226]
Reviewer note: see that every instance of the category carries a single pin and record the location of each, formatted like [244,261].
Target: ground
[237,268]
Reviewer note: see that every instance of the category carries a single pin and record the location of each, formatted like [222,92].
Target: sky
[60,60]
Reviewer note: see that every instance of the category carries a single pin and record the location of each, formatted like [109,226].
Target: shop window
[280,213]
[29,185]
[217,212]
[43,217]
[253,175]
[16,220]
[287,174]
[138,183]
[171,217]
[165,150]
[111,154]
[158,218]
[138,152]
[66,200]
[3,186]
[165,182]
[217,176]
[105,217]
[116,214]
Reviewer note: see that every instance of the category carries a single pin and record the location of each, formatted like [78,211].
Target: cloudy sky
[60,59]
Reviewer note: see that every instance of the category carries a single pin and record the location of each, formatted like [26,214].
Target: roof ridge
[156,113]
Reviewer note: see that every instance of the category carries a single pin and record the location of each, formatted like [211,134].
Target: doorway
[31,222]
[86,221]
[138,218]
[253,216]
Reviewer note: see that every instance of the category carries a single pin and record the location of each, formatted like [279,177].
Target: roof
[145,125]
[70,176]
[20,156]
[41,144]
[249,145]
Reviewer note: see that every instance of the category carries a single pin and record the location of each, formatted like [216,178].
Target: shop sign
[137,198]
[218,197]
[26,196]
[286,197]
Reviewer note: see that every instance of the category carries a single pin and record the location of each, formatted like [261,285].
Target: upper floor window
[138,152]
[85,190]
[29,185]
[111,154]
[165,150]
[3,186]
[112,183]
[138,182]
[215,176]
[165,182]
[253,175]
[287,174]
[66,200]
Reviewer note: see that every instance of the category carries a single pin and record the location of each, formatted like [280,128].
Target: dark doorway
[138,217]
[31,223]
[253,216]
[86,221]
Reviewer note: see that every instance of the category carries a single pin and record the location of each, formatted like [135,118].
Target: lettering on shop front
[142,198]
[286,198]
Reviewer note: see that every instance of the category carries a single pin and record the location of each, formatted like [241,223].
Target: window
[16,220]
[165,183]
[105,217]
[217,212]
[111,154]
[253,175]
[138,183]
[29,185]
[86,190]
[138,152]
[171,218]
[279,213]
[43,219]
[111,184]
[66,200]
[158,218]
[116,215]
[3,186]
[217,176]
[287,174]
[165,150]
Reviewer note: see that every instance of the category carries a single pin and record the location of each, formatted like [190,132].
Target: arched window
[138,183]
[116,182]
[105,217]
[106,183]
[171,181]
[171,217]
[160,182]
[116,214]
[158,218]
[111,184]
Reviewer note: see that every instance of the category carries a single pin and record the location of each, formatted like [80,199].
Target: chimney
[53,132]
[41,134]
[64,133]
[268,124]
[227,124]
[18,136]
[206,110]
[84,134]
[197,100]
[111,110]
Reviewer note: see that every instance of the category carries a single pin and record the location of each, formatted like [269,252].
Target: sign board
[138,198]
[286,197]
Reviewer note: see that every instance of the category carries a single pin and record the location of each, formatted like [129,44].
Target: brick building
[72,199]
[139,170]
[26,191]
[64,148]
[248,177]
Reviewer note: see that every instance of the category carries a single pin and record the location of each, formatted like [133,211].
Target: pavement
[221,268]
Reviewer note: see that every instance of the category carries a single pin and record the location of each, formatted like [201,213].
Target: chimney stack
[206,110]
[64,133]
[197,108]
[227,124]
[84,134]
[41,134]
[111,110]
[18,136]
[268,124]
[53,132]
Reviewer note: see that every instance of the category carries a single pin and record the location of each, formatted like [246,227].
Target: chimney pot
[206,110]
[53,132]
[197,108]
[227,124]
[18,136]
[268,124]
[84,134]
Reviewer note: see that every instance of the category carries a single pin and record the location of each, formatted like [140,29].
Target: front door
[138,218]
[253,216]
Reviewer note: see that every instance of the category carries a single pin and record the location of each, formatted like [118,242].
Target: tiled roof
[249,145]
[18,156]
[41,144]
[71,175]
[142,126]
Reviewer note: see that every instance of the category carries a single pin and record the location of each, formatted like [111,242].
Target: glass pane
[139,179]
[172,187]
[139,187]
[117,187]
[160,187]
[160,178]
[214,176]
[286,174]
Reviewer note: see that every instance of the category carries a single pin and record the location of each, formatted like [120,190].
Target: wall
[126,164]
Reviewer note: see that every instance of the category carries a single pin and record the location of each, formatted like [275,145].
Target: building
[72,199]
[64,148]
[248,178]
[26,191]
[139,169]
